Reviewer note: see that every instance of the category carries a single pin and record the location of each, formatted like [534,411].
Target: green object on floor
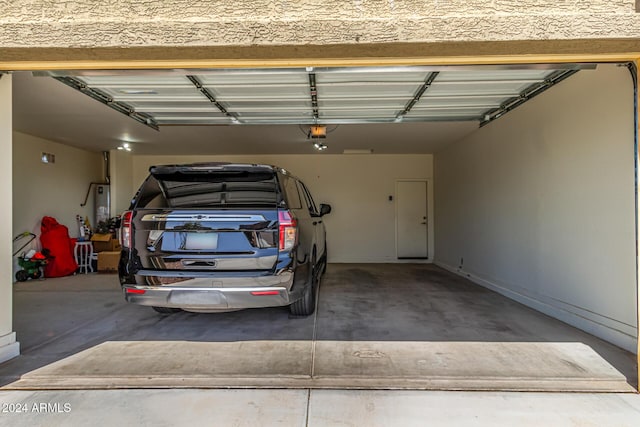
[31,269]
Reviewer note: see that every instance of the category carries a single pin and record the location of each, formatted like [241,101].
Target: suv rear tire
[306,305]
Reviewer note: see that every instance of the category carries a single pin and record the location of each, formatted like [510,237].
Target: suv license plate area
[200,241]
[196,297]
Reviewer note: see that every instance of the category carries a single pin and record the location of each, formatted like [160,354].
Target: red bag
[55,239]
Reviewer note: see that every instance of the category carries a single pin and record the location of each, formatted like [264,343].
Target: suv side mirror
[324,209]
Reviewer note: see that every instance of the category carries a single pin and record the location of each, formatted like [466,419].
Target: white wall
[540,204]
[9,347]
[56,189]
[361,227]
[121,165]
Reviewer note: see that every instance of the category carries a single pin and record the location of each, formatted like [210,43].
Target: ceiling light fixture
[316,134]
[125,146]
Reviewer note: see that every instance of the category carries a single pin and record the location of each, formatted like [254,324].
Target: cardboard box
[108,261]
[105,242]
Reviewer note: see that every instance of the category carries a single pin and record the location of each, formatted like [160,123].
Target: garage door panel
[361,114]
[271,91]
[470,113]
[274,114]
[178,107]
[256,104]
[480,88]
[431,101]
[372,76]
[359,103]
[135,80]
[496,75]
[359,91]
[246,78]
[171,94]
[192,118]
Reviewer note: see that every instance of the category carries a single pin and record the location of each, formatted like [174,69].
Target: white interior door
[411,219]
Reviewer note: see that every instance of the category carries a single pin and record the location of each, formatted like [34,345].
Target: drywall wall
[56,189]
[361,227]
[9,347]
[540,204]
[121,174]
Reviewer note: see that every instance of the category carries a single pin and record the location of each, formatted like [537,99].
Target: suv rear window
[204,190]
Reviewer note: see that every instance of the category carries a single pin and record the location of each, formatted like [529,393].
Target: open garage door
[318,95]
[532,168]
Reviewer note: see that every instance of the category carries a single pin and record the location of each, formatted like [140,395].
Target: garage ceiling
[429,106]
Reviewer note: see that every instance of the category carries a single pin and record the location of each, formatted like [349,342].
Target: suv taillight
[125,230]
[288,230]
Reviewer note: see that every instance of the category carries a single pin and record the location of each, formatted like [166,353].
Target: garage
[482,233]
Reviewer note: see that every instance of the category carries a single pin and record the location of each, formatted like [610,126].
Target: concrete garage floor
[403,326]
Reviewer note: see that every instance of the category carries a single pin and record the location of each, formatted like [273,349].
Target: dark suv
[219,237]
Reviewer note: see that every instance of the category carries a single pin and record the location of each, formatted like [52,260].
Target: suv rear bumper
[198,294]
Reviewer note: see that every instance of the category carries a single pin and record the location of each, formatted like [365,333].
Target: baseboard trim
[9,347]
[383,261]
